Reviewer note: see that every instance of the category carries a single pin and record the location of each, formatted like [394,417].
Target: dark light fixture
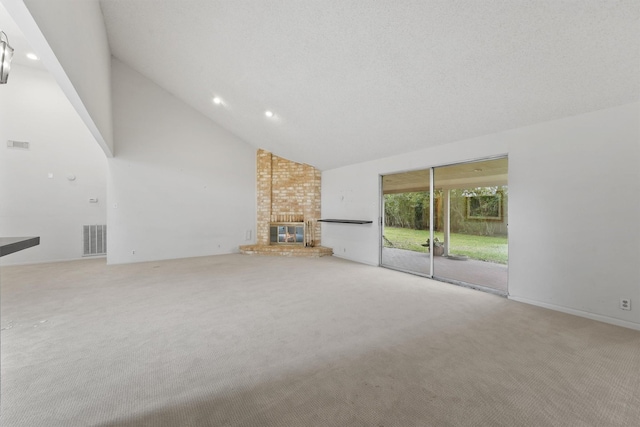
[6,53]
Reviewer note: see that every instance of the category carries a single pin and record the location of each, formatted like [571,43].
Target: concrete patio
[472,272]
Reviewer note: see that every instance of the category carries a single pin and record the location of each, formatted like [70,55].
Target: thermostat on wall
[93,200]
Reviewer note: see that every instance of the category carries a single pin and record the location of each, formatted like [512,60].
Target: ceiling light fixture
[268,113]
[217,100]
[32,56]
[6,53]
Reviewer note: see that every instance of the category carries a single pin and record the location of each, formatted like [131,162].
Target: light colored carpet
[237,340]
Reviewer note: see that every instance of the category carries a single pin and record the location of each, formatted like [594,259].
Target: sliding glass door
[472,212]
[454,230]
[406,216]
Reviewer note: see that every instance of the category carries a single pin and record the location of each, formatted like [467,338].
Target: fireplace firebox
[287,233]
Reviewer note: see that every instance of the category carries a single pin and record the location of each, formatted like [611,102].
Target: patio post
[447,217]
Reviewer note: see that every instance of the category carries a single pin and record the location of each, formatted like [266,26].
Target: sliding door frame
[381,223]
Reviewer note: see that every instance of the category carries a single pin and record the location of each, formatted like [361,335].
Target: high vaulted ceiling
[351,81]
[17,41]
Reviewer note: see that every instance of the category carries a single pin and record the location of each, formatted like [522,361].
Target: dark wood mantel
[347,221]
[9,245]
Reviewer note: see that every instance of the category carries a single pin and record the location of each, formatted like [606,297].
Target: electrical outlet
[625,304]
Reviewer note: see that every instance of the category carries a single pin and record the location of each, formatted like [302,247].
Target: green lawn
[484,248]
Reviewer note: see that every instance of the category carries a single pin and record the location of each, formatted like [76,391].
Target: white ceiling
[17,41]
[351,81]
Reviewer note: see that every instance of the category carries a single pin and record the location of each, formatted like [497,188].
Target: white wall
[180,186]
[572,183]
[574,206]
[71,39]
[34,109]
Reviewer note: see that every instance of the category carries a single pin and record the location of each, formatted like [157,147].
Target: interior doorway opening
[448,223]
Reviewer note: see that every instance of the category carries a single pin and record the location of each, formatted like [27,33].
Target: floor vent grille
[95,240]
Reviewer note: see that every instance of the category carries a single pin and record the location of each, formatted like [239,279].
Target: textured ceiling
[351,81]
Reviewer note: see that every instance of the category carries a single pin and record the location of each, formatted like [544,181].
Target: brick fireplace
[288,193]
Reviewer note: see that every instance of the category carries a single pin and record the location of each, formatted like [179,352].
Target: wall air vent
[21,145]
[94,240]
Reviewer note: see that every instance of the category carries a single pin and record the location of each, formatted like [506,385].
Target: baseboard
[586,314]
[51,261]
[355,260]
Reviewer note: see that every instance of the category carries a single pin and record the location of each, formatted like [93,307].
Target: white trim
[52,261]
[580,313]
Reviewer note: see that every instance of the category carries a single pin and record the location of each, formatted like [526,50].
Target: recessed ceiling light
[32,56]
[268,113]
[217,100]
